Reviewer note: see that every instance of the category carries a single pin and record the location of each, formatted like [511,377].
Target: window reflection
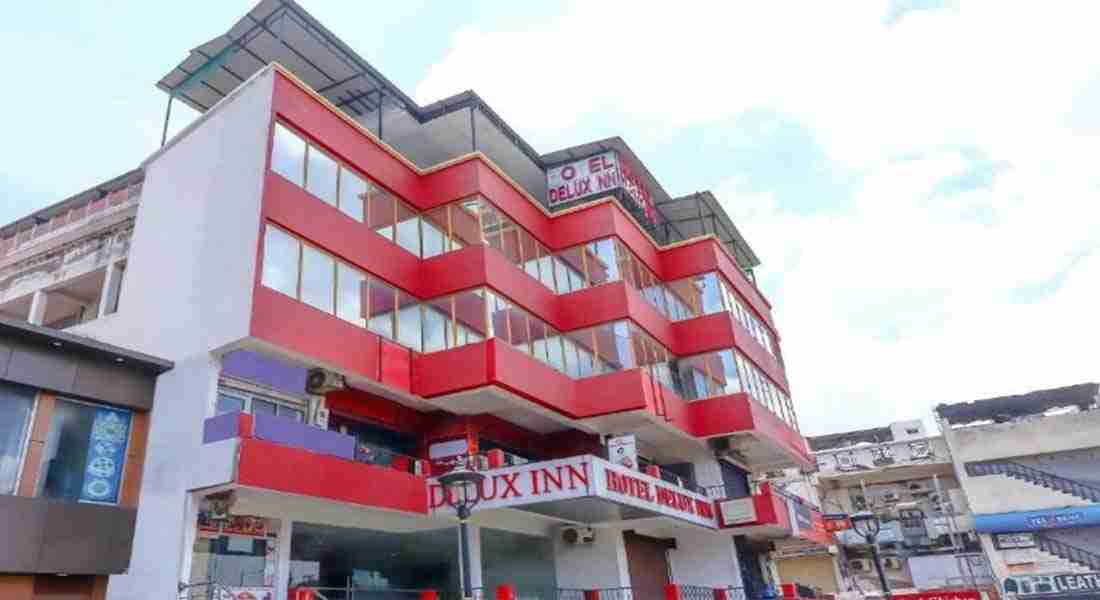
[18,403]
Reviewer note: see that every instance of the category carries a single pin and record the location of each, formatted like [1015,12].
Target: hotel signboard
[599,174]
[583,477]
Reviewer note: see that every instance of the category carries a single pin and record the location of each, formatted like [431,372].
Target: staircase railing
[1037,476]
[1080,556]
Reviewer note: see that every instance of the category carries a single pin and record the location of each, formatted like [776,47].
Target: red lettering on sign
[577,475]
[509,481]
[568,172]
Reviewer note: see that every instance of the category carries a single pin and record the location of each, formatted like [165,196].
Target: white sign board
[583,477]
[594,175]
[623,451]
[737,511]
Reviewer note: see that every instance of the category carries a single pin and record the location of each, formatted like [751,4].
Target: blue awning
[1034,520]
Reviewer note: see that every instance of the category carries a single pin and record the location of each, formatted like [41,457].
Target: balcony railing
[70,219]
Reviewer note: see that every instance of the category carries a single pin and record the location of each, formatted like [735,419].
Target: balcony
[767,512]
[282,455]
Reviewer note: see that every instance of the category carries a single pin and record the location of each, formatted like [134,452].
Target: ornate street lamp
[868,525]
[462,489]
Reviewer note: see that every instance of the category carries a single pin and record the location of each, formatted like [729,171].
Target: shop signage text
[580,477]
[596,175]
[1078,582]
[940,595]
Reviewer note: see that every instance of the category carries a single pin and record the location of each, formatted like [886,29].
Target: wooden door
[647,561]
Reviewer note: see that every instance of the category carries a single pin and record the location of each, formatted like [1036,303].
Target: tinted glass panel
[84,453]
[321,176]
[288,155]
[280,271]
[353,194]
[350,289]
[318,277]
[16,405]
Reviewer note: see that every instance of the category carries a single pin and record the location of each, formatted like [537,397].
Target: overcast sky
[920,178]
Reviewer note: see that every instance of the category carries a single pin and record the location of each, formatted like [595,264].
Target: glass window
[498,317]
[227,404]
[491,225]
[280,270]
[436,325]
[381,212]
[292,413]
[603,264]
[318,274]
[570,270]
[408,320]
[554,349]
[434,232]
[546,270]
[510,241]
[408,228]
[16,404]
[263,407]
[353,193]
[381,308]
[321,174]
[732,384]
[466,223]
[351,286]
[85,452]
[288,155]
[582,341]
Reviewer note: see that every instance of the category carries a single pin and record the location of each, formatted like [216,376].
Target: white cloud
[905,298]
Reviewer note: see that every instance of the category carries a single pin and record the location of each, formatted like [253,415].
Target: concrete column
[282,571]
[112,285]
[38,307]
[599,565]
[704,557]
[475,561]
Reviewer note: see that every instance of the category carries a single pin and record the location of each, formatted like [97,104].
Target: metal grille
[696,592]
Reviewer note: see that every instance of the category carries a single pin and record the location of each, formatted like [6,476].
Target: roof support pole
[381,103]
[473,129]
[167,115]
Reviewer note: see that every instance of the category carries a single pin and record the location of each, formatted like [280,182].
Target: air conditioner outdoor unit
[892,563]
[578,535]
[918,487]
[860,565]
[890,497]
[320,382]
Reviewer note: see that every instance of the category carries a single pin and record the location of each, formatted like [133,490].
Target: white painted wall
[1045,435]
[706,558]
[175,434]
[191,267]
[187,293]
[601,564]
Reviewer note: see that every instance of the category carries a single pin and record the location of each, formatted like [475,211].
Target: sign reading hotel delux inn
[584,477]
[595,175]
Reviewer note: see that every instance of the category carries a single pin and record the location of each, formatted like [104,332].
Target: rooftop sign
[598,174]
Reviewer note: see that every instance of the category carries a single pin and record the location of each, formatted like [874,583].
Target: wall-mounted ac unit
[891,562]
[321,382]
[919,487]
[889,497]
[860,565]
[578,535]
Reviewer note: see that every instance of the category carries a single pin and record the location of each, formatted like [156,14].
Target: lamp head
[462,487]
[866,524]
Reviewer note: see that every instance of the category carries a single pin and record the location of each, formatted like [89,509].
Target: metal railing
[1038,477]
[352,592]
[202,590]
[1080,556]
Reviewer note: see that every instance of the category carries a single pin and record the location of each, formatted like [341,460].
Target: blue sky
[918,176]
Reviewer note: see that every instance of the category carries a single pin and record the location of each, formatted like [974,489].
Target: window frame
[25,442]
[235,391]
[40,483]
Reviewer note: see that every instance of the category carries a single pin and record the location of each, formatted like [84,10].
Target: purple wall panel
[221,427]
[292,433]
[265,370]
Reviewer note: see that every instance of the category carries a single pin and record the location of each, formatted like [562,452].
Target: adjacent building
[905,475]
[74,423]
[358,292]
[1030,468]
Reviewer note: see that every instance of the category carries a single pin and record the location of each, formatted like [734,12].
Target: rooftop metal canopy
[282,31]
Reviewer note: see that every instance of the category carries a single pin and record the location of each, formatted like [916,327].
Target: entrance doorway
[647,562]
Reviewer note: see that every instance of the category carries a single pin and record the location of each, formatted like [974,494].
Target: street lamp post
[868,525]
[462,489]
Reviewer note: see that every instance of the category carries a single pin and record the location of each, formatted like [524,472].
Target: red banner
[961,594]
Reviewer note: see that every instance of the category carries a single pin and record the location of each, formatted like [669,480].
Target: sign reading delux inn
[583,477]
[598,174]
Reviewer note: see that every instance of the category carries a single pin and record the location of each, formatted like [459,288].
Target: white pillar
[475,560]
[282,571]
[112,284]
[38,307]
[601,564]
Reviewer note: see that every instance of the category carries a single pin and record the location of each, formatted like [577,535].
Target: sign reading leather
[583,477]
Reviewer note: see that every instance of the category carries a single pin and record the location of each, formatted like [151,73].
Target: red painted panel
[322,225]
[516,284]
[720,415]
[515,204]
[583,225]
[449,371]
[324,127]
[648,318]
[271,466]
[367,406]
[396,365]
[707,333]
[302,329]
[516,372]
[613,392]
[592,306]
[768,425]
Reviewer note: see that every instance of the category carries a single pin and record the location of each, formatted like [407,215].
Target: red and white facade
[470,320]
